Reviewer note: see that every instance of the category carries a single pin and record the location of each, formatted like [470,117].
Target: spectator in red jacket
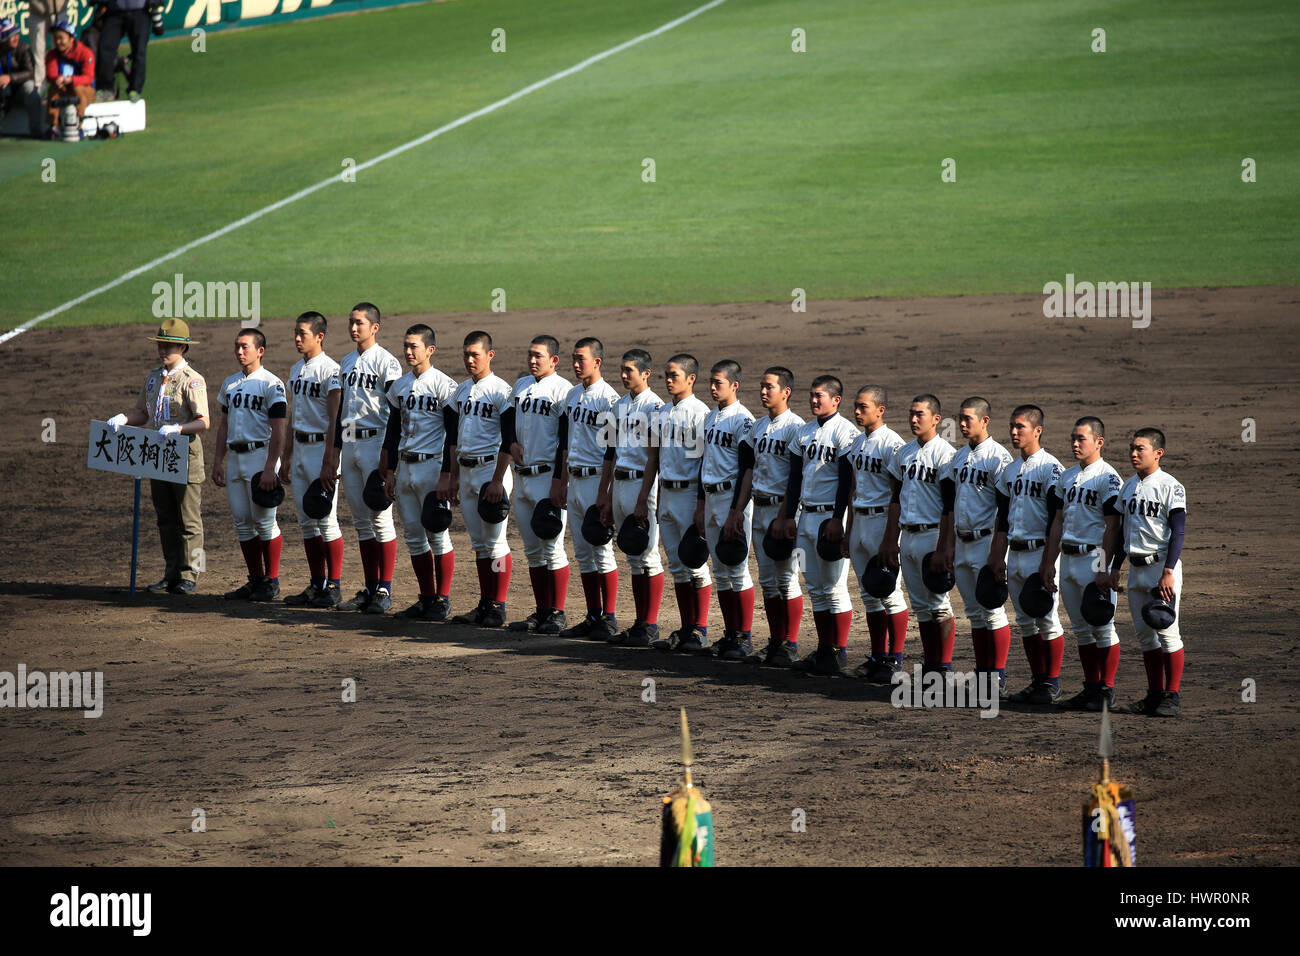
[70,70]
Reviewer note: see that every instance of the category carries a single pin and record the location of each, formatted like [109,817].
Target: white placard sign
[140,452]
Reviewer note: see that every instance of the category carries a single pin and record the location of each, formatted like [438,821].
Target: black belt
[1028,544]
[469,461]
[818,509]
[527,470]
[308,438]
[766,501]
[974,535]
[677,485]
[361,434]
[871,511]
[919,528]
[419,456]
[1145,560]
[627,474]
[1068,548]
[583,471]
[245,446]
[719,487]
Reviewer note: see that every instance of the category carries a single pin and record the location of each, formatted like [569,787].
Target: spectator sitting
[70,70]
[18,77]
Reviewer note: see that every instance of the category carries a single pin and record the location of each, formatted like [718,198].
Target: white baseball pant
[591,559]
[676,514]
[251,520]
[358,460]
[828,581]
[489,540]
[969,558]
[926,605]
[1020,565]
[864,543]
[1140,583]
[777,579]
[415,481]
[306,469]
[624,503]
[529,490]
[716,508]
[1076,572]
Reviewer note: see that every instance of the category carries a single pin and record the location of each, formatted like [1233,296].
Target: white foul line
[396,151]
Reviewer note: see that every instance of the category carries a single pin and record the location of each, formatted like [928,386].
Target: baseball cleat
[603,629]
[358,603]
[723,644]
[1080,700]
[1104,695]
[159,587]
[306,598]
[474,617]
[528,624]
[694,643]
[244,593]
[1045,693]
[669,643]
[552,623]
[882,672]
[330,597]
[582,629]
[1168,704]
[824,662]
[617,637]
[380,602]
[416,611]
[183,587]
[1003,693]
[640,634]
[265,590]
[1146,706]
[740,648]
[494,614]
[439,609]
[781,654]
[1022,696]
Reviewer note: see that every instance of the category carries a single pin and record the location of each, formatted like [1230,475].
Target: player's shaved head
[1030,413]
[255,334]
[784,377]
[551,343]
[829,384]
[369,310]
[424,332]
[929,401]
[1094,423]
[480,338]
[592,345]
[687,363]
[979,407]
[640,358]
[315,320]
[876,393]
[1154,435]
[729,368]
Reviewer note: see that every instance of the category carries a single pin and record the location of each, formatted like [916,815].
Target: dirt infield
[236,709]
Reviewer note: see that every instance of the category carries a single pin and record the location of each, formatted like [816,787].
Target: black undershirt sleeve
[1053,505]
[1117,559]
[1177,527]
[450,426]
[746,464]
[794,485]
[843,488]
[1004,508]
[508,435]
[561,443]
[392,438]
[948,492]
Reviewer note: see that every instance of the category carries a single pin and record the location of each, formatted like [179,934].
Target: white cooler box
[128,116]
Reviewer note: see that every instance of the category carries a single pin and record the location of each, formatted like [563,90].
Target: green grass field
[775,169]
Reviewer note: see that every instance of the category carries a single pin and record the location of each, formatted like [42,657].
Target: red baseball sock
[1153,663]
[979,639]
[387,559]
[271,555]
[1108,664]
[370,557]
[947,638]
[1091,664]
[609,590]
[559,587]
[745,609]
[820,620]
[1053,653]
[315,549]
[444,566]
[640,594]
[726,604]
[685,594]
[485,582]
[793,618]
[540,578]
[897,631]
[655,598]
[1000,646]
[591,590]
[501,577]
[841,624]
[422,565]
[252,549]
[702,598]
[774,609]
[1173,668]
[931,643]
[878,628]
[334,557]
[1033,653]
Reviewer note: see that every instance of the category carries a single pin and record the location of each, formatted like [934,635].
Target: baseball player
[315,389]
[479,435]
[725,429]
[925,493]
[1023,519]
[674,462]
[1154,509]
[415,443]
[254,411]
[764,462]
[622,474]
[366,375]
[174,400]
[976,468]
[579,458]
[871,456]
[539,408]
[819,488]
[1083,505]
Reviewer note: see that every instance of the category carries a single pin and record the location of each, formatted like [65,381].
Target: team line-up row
[811,498]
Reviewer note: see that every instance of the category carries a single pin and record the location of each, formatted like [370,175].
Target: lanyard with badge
[162,408]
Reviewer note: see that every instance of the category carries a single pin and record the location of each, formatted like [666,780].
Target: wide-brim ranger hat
[173,330]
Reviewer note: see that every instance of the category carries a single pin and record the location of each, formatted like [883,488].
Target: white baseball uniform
[539,405]
[478,443]
[590,412]
[1146,504]
[420,402]
[1084,494]
[681,449]
[310,382]
[770,438]
[919,468]
[975,511]
[724,430]
[821,445]
[363,414]
[871,456]
[249,402]
[1025,481]
[636,417]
